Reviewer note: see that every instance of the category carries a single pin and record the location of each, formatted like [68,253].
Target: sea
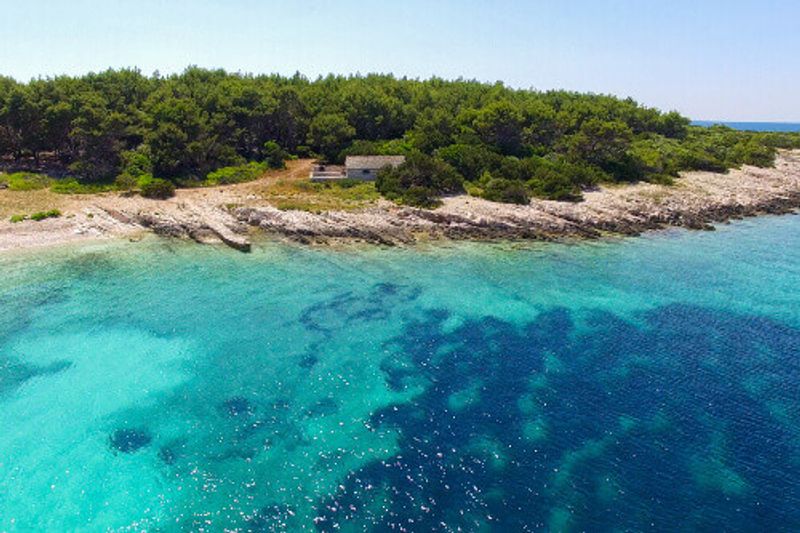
[752,126]
[631,384]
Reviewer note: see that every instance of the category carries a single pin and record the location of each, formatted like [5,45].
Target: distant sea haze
[752,126]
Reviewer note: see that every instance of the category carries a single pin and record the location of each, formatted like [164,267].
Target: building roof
[373,162]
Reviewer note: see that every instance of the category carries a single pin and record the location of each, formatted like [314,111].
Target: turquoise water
[649,383]
[752,126]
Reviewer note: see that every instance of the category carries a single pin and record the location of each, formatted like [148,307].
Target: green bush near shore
[157,189]
[419,181]
[505,191]
[31,181]
[26,181]
[38,216]
[53,213]
[73,186]
[236,174]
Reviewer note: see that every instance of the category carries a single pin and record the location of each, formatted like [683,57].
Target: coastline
[232,214]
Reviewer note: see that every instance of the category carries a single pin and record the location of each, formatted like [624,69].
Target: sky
[708,59]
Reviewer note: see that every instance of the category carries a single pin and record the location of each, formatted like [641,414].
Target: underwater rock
[308,361]
[322,407]
[281,404]
[388,289]
[237,406]
[171,452]
[271,518]
[130,440]
[167,455]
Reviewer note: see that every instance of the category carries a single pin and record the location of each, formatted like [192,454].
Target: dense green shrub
[157,189]
[555,187]
[418,196]
[775,139]
[304,151]
[236,174]
[73,186]
[751,152]
[137,166]
[362,147]
[329,134]
[347,183]
[470,160]
[420,181]
[27,181]
[560,179]
[655,155]
[126,182]
[41,215]
[506,191]
[274,155]
[137,163]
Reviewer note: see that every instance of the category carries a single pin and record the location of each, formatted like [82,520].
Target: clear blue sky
[709,59]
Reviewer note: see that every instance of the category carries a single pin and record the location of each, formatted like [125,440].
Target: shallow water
[648,383]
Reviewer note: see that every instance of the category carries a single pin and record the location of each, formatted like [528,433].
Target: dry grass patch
[16,202]
[303,195]
[657,196]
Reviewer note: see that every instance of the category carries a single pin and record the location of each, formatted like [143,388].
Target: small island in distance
[208,154]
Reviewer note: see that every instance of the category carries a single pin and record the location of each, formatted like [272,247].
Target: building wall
[361,174]
[327,176]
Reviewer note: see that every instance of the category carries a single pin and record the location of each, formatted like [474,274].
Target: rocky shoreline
[697,201]
[232,215]
[408,226]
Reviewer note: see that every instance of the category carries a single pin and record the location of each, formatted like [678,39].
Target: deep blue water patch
[653,411]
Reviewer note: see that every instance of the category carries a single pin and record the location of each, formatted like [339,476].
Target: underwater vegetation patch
[347,307]
[237,406]
[631,412]
[129,440]
[322,407]
[14,372]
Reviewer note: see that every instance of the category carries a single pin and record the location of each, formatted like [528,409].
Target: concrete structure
[327,173]
[356,167]
[366,167]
